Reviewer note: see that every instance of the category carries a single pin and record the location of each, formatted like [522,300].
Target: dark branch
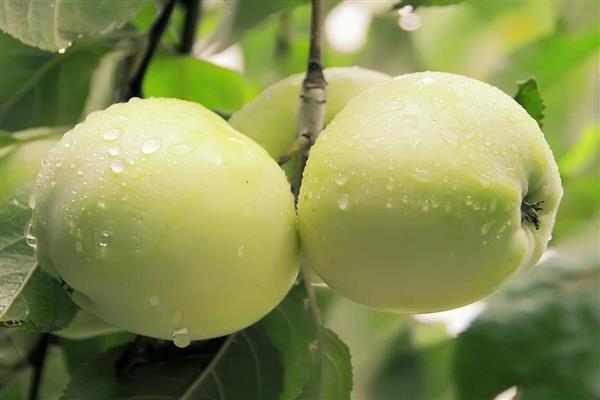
[154,36]
[193,15]
[37,358]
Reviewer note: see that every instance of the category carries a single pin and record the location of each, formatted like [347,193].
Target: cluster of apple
[423,193]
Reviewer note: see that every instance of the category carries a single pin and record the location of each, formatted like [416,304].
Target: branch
[156,32]
[192,17]
[37,359]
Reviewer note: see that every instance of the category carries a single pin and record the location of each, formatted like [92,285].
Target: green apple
[20,162]
[165,221]
[271,119]
[426,192]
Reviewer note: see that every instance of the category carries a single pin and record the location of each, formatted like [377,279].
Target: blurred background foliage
[539,337]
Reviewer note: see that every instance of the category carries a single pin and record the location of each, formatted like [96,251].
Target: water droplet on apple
[389,203]
[240,251]
[117,166]
[154,301]
[114,150]
[179,149]
[79,247]
[340,179]
[181,337]
[343,201]
[151,146]
[111,134]
[104,239]
[469,200]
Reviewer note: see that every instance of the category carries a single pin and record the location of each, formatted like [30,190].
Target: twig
[284,35]
[192,17]
[37,358]
[154,36]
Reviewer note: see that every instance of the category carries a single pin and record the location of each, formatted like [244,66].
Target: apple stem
[154,36]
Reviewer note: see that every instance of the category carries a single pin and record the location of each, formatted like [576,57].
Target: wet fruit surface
[165,221]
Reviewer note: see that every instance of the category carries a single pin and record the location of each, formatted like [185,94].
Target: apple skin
[411,198]
[165,221]
[271,119]
[20,162]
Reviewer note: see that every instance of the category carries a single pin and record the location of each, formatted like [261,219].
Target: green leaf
[29,298]
[244,14]
[425,3]
[56,24]
[316,362]
[189,78]
[18,261]
[540,333]
[45,89]
[6,139]
[246,366]
[583,155]
[529,97]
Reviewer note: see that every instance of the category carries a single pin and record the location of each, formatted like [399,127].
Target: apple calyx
[529,213]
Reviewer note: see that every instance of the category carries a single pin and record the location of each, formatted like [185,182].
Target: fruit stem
[154,35]
[193,16]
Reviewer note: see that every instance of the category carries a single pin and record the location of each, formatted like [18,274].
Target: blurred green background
[539,337]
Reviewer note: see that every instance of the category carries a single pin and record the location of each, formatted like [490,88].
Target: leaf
[316,362]
[540,333]
[529,97]
[246,366]
[29,298]
[44,89]
[244,15]
[6,139]
[56,24]
[425,3]
[583,155]
[18,261]
[188,78]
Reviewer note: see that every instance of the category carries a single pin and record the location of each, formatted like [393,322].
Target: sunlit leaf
[529,97]
[56,24]
[189,78]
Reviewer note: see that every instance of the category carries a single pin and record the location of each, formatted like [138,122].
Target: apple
[20,162]
[164,221]
[271,119]
[426,192]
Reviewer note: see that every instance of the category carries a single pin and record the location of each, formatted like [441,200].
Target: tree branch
[37,359]
[192,17]
[154,36]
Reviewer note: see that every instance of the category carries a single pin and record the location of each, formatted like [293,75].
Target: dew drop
[425,206]
[79,247]
[179,149]
[111,134]
[150,146]
[340,179]
[394,105]
[114,150]
[117,166]
[31,201]
[154,301]
[469,200]
[240,251]
[389,187]
[181,338]
[404,198]
[410,121]
[101,204]
[104,239]
[29,238]
[343,201]
[438,104]
[485,228]
[389,203]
